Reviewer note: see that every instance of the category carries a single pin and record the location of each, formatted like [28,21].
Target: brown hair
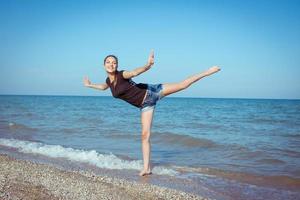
[115,57]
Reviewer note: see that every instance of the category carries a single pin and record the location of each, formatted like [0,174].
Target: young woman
[143,96]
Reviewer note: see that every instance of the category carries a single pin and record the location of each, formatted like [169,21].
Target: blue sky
[48,46]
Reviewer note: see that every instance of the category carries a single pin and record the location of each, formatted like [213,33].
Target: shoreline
[22,179]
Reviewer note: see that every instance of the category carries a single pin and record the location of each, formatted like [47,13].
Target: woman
[143,96]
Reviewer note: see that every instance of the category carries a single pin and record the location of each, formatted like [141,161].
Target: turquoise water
[249,141]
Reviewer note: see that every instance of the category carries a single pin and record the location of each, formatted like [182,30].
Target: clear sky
[46,47]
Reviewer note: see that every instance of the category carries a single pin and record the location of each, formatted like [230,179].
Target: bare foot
[145,172]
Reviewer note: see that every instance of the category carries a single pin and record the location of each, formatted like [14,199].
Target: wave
[14,126]
[280,181]
[109,161]
[270,161]
[296,135]
[183,140]
[168,138]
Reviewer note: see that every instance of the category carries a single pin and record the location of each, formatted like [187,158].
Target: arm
[139,70]
[87,83]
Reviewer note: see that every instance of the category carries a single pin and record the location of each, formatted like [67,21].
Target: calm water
[238,148]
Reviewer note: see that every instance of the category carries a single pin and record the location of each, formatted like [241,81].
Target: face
[110,65]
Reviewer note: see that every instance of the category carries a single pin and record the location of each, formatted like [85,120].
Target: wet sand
[21,179]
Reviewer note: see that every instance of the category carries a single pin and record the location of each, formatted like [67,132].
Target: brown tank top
[127,90]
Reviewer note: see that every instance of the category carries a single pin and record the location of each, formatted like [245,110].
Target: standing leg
[146,119]
[169,88]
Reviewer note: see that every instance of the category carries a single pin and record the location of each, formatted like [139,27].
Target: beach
[20,179]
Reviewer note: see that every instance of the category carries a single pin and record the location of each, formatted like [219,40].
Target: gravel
[24,180]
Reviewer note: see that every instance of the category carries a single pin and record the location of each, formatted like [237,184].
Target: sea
[220,148]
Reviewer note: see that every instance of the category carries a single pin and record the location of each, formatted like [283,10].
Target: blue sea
[218,148]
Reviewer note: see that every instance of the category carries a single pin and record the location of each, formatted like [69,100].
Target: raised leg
[170,88]
[146,120]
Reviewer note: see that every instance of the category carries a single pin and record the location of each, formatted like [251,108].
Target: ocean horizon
[63,95]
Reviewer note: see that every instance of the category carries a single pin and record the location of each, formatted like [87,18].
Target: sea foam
[109,161]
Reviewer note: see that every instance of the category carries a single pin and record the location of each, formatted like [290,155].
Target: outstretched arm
[87,83]
[139,70]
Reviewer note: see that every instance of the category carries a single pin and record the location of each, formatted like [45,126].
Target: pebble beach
[20,179]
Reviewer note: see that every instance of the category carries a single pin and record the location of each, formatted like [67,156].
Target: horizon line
[254,98]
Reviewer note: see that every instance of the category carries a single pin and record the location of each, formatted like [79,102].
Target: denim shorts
[154,93]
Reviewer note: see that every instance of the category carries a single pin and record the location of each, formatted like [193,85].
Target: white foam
[109,161]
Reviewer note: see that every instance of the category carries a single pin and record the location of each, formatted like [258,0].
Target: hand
[212,70]
[86,82]
[151,59]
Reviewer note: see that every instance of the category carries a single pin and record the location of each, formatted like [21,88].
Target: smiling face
[110,64]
